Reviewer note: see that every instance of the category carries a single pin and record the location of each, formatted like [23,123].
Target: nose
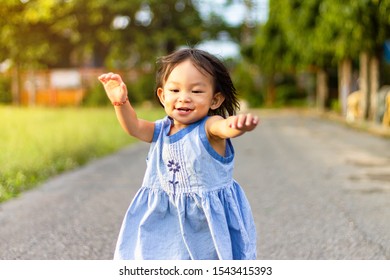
[184,97]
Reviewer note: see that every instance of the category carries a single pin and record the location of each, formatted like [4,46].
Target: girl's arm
[220,128]
[117,93]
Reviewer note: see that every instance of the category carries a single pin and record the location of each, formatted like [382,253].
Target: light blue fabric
[189,206]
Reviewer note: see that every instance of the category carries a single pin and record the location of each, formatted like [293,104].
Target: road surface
[318,190]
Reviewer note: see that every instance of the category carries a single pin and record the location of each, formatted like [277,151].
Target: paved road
[318,190]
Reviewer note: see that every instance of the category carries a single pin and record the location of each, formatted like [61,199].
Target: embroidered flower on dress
[173,167]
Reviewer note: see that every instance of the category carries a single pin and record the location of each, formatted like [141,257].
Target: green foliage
[248,84]
[270,48]
[142,89]
[118,35]
[290,95]
[72,33]
[312,34]
[335,106]
[5,90]
[37,143]
[28,31]
[95,96]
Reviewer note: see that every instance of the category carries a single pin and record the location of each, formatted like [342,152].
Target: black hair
[208,63]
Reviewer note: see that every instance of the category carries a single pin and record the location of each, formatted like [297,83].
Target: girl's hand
[218,128]
[243,122]
[114,86]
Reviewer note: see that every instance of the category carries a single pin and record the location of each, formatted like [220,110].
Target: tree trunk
[363,84]
[322,89]
[31,87]
[15,85]
[345,81]
[374,86]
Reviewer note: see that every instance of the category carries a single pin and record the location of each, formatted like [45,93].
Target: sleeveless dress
[189,206]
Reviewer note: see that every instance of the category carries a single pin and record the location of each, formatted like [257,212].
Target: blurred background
[325,54]
[53,50]
[286,52]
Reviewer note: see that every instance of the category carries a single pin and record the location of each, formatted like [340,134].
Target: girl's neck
[176,126]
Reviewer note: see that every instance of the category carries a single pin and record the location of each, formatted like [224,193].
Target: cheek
[205,102]
[168,98]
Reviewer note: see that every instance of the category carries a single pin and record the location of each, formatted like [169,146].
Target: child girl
[189,206]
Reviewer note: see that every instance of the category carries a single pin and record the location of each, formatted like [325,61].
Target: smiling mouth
[183,109]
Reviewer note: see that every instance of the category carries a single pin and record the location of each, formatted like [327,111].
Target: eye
[197,91]
[174,90]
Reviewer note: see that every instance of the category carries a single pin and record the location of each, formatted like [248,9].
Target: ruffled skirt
[200,226]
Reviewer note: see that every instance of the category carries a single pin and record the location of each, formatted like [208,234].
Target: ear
[161,96]
[217,101]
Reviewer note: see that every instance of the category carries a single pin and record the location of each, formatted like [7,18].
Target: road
[318,190]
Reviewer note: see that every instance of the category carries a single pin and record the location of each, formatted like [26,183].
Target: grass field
[36,143]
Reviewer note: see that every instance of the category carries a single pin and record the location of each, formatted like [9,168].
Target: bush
[5,90]
[95,96]
[248,84]
[290,94]
[142,89]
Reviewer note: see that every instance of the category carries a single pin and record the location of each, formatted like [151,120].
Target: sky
[234,14]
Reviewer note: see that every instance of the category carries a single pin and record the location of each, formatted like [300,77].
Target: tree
[269,51]
[299,21]
[357,30]
[117,34]
[155,28]
[325,34]
[286,43]
[28,35]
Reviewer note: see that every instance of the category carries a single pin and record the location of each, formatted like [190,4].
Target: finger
[117,78]
[124,88]
[253,124]
[241,121]
[233,123]
[102,78]
[108,76]
[249,120]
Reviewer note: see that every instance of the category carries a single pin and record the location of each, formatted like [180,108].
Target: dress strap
[157,128]
[229,152]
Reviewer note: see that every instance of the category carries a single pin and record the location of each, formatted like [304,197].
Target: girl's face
[188,94]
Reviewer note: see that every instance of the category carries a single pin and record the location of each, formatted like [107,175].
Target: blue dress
[189,206]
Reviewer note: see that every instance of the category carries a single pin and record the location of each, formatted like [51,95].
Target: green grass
[36,143]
